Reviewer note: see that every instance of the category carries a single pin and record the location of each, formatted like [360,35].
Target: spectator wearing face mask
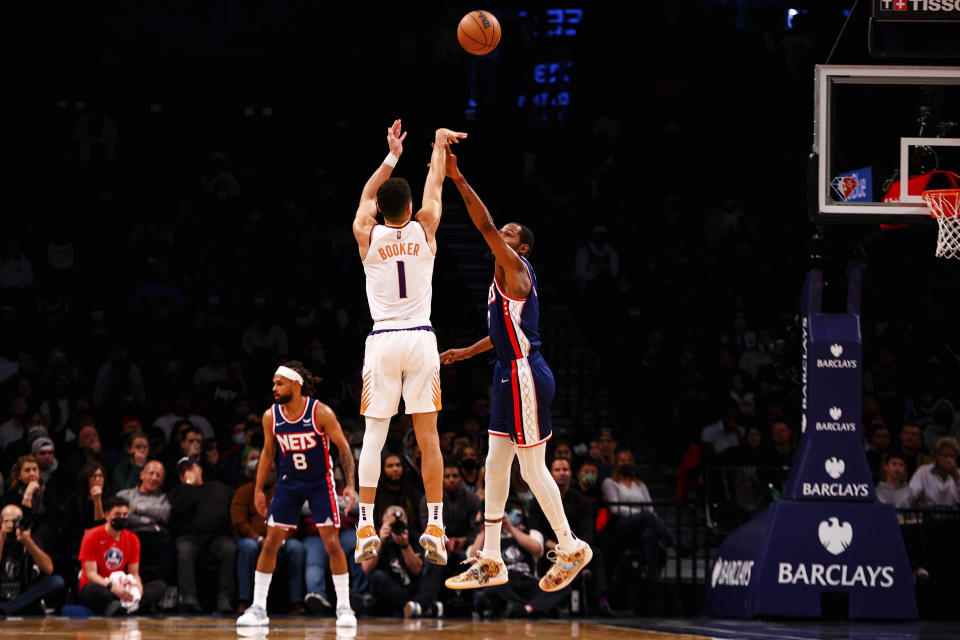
[634,523]
[108,550]
[470,471]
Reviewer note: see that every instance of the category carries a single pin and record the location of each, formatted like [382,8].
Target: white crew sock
[341,584]
[366,515]
[261,587]
[435,513]
[491,540]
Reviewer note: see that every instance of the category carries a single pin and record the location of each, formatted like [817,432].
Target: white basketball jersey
[399,269]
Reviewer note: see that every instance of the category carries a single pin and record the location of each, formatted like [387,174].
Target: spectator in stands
[588,483]
[943,422]
[878,444]
[183,410]
[189,444]
[106,550]
[150,519]
[118,377]
[461,513]
[201,518]
[399,578]
[26,570]
[596,263]
[911,448]
[44,451]
[84,509]
[938,484]
[784,445]
[562,449]
[250,530]
[598,456]
[89,448]
[893,488]
[14,428]
[471,471]
[521,547]
[395,487]
[37,501]
[723,434]
[632,522]
[127,474]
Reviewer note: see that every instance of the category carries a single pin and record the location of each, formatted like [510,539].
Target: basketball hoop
[943,205]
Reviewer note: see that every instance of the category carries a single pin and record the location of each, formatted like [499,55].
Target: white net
[943,205]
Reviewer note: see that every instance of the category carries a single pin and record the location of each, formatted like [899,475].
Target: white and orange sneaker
[483,572]
[566,565]
[434,543]
[368,544]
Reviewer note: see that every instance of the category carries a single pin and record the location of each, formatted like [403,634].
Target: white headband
[289,374]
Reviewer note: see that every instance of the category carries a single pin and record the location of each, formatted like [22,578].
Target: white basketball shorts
[400,362]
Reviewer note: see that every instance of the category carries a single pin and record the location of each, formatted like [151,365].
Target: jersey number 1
[402,276]
[300,461]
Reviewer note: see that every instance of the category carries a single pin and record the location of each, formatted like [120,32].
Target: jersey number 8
[300,461]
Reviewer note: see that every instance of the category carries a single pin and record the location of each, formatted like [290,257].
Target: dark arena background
[781,381]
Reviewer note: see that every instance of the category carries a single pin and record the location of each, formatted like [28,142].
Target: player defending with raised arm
[303,429]
[400,356]
[523,388]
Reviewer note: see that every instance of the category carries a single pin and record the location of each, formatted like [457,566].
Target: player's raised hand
[452,170]
[446,136]
[395,138]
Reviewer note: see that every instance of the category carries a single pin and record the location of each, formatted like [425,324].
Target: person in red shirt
[108,548]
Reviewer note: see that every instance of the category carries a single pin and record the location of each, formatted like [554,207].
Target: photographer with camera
[399,575]
[26,571]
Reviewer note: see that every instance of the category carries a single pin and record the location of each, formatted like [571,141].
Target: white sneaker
[346,617]
[254,616]
[434,544]
[368,544]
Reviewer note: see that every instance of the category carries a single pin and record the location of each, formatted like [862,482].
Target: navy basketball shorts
[289,496]
[522,394]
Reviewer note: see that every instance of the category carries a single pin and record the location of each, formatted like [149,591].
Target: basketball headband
[289,374]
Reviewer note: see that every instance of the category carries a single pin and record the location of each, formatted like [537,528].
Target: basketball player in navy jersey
[523,388]
[302,428]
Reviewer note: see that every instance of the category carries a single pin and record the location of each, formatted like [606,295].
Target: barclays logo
[836,413]
[836,350]
[834,467]
[835,537]
[732,573]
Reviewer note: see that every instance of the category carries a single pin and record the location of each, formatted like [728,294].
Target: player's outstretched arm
[453,355]
[367,210]
[326,418]
[267,455]
[517,276]
[429,214]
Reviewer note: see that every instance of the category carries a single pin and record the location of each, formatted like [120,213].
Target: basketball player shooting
[303,429]
[523,389]
[400,356]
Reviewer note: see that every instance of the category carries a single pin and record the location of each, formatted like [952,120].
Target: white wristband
[390,160]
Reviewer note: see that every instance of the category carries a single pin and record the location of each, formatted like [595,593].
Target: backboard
[882,135]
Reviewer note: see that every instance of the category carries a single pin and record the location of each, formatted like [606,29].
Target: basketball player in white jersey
[400,356]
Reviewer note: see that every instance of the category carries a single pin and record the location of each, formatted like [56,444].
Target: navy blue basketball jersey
[514,324]
[303,451]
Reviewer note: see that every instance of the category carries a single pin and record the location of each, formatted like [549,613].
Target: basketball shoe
[434,543]
[566,565]
[483,572]
[368,544]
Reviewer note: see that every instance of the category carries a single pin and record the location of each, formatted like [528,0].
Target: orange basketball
[479,33]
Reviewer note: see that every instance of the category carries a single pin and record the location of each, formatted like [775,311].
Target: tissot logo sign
[732,573]
[836,362]
[836,537]
[917,9]
[836,422]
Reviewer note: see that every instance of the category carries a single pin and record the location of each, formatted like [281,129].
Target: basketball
[479,33]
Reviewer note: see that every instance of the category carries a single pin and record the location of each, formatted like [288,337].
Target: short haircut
[587,462]
[189,430]
[393,196]
[887,457]
[451,463]
[946,442]
[114,501]
[526,236]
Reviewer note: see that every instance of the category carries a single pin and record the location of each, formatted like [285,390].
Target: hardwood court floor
[176,628]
